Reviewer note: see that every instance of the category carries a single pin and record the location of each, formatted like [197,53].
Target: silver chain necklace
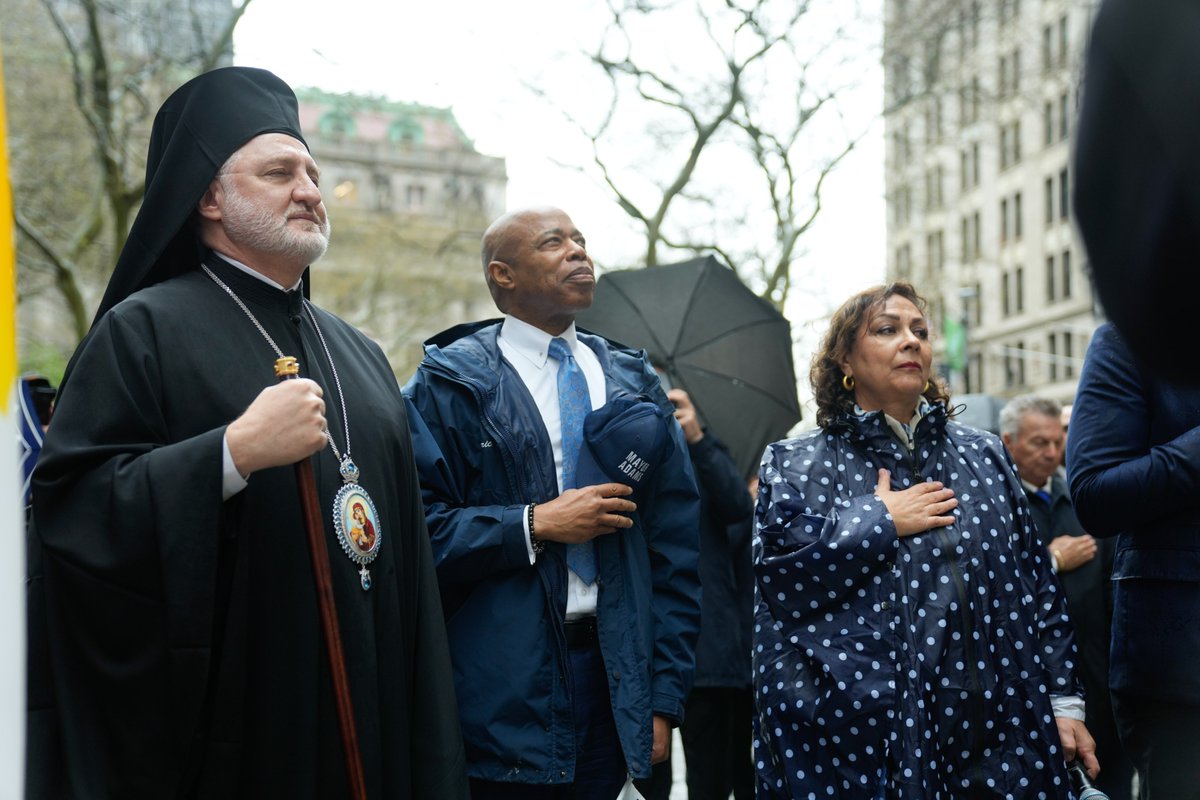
[355,519]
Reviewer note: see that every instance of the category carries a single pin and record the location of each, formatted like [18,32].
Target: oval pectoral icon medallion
[358,528]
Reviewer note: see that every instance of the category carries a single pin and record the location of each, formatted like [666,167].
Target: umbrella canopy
[723,344]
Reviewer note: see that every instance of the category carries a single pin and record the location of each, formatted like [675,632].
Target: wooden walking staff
[287,368]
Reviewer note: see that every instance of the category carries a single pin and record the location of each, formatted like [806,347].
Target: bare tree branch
[115,98]
[65,273]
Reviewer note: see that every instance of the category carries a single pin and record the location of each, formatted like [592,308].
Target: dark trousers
[599,763]
[716,741]
[1116,768]
[716,744]
[658,785]
[1163,740]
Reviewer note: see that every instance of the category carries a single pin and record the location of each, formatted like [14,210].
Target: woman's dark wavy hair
[831,397]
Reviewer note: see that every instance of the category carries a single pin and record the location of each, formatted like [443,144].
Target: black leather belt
[581,633]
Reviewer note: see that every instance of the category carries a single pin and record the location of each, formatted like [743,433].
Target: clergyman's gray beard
[254,227]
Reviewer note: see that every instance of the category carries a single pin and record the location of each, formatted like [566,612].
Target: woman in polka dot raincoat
[910,638]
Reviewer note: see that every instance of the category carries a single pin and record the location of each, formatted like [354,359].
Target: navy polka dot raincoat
[919,667]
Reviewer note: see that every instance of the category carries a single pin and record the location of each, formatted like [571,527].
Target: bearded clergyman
[176,649]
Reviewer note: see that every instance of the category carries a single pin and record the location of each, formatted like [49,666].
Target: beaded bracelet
[537,544]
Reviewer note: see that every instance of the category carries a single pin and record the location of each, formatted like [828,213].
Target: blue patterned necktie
[1044,495]
[574,402]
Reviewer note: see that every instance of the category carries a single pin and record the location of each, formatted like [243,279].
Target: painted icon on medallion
[358,520]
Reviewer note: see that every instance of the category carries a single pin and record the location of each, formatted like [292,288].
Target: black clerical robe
[182,629]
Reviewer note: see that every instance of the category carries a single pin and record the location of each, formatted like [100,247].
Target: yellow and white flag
[12,512]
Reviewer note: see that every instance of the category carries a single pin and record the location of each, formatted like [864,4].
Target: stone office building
[981,103]
[409,198]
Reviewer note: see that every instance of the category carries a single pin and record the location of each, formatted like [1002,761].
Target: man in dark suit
[1032,430]
[1134,456]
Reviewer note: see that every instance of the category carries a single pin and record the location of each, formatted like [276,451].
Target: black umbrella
[726,346]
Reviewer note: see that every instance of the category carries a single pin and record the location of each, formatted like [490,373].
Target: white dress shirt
[527,349]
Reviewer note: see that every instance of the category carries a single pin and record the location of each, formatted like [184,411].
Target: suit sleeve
[1118,480]
[1054,632]
[720,484]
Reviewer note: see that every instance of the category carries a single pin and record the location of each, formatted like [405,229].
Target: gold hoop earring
[926,389]
[848,383]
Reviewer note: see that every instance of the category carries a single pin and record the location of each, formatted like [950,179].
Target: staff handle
[287,368]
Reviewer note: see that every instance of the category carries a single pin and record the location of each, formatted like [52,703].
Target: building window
[1019,290]
[414,197]
[1066,274]
[901,86]
[1068,356]
[1004,220]
[902,206]
[1052,352]
[336,124]
[406,132]
[935,252]
[970,238]
[1064,195]
[1009,11]
[976,235]
[974,376]
[1047,124]
[1048,200]
[1005,295]
[1050,278]
[934,197]
[1010,144]
[976,306]
[1014,366]
[382,184]
[1017,226]
[933,119]
[1064,116]
[1020,359]
[1062,42]
[1047,47]
[969,171]
[904,261]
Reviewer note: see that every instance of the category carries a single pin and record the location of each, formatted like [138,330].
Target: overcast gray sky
[477,56]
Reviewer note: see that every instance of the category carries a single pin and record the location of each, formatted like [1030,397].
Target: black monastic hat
[195,132]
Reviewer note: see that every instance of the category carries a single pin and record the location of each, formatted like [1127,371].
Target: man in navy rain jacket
[563,683]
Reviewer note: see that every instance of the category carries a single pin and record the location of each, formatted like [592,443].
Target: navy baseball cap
[623,442]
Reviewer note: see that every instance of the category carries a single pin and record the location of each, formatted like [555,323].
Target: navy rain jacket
[914,668]
[483,453]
